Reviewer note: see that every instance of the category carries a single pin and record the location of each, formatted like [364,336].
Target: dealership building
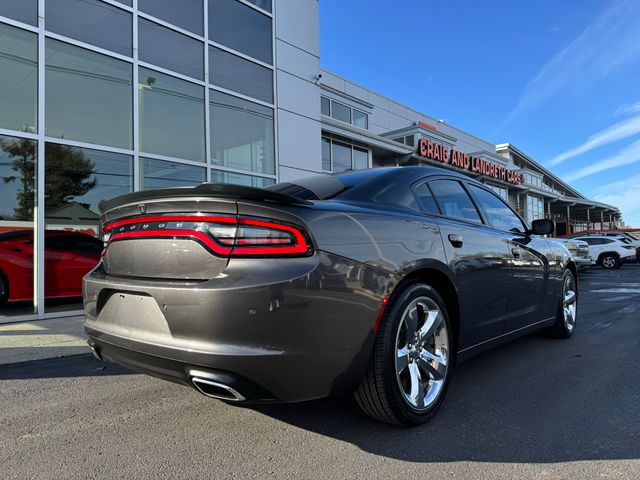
[103,97]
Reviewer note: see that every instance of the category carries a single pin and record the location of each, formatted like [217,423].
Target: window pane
[263,4]
[161,174]
[88,96]
[168,49]
[500,216]
[171,116]
[325,106]
[240,27]
[187,14]
[218,176]
[240,75]
[360,159]
[454,201]
[17,201]
[91,21]
[126,2]
[22,10]
[340,112]
[76,179]
[408,139]
[326,155]
[341,155]
[18,79]
[241,134]
[360,119]
[426,200]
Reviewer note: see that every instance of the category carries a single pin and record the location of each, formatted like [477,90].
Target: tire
[423,356]
[4,288]
[609,261]
[566,316]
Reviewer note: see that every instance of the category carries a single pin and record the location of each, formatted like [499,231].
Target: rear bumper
[629,258]
[273,329]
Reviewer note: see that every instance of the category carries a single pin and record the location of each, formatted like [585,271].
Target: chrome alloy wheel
[608,262]
[422,353]
[569,302]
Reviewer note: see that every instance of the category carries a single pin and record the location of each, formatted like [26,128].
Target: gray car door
[478,257]
[530,299]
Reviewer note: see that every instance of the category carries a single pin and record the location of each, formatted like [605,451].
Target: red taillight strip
[204,238]
[170,218]
[300,246]
[260,246]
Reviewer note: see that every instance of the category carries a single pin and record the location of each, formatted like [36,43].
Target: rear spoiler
[219,190]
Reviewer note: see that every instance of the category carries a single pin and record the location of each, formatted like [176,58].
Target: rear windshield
[318,187]
[323,186]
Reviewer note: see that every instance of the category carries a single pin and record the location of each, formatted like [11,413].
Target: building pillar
[569,220]
[588,219]
[610,216]
[602,220]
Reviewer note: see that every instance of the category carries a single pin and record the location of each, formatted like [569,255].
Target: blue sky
[559,79]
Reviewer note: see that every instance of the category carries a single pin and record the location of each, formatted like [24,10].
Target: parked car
[69,256]
[626,237]
[609,252]
[375,282]
[579,250]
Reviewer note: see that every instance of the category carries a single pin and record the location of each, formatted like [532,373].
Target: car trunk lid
[179,233]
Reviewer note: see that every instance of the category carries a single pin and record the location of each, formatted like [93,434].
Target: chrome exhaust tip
[214,389]
[96,352]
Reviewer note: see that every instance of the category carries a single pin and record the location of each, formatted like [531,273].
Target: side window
[454,201]
[425,199]
[500,216]
[606,240]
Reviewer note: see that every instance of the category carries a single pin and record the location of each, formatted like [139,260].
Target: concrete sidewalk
[40,339]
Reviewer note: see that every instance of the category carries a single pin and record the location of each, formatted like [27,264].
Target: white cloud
[625,195]
[610,42]
[626,156]
[628,109]
[624,129]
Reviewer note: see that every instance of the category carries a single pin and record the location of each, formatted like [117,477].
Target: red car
[69,256]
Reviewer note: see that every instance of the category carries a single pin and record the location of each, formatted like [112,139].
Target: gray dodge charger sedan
[375,282]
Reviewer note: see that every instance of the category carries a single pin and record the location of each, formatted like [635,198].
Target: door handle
[456,240]
[516,252]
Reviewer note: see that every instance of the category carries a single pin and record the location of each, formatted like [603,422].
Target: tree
[23,152]
[68,174]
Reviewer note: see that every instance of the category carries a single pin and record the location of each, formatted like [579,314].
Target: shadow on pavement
[75,366]
[535,401]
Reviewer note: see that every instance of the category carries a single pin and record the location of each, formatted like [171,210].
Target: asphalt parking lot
[536,408]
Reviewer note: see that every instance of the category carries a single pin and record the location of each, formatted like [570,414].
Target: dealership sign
[434,151]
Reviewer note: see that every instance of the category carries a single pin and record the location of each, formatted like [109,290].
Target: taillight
[240,237]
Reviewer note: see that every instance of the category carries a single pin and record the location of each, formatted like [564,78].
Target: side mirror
[542,226]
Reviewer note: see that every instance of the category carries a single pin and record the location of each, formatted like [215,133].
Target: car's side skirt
[469,352]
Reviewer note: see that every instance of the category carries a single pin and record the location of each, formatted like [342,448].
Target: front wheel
[567,313]
[609,261]
[409,370]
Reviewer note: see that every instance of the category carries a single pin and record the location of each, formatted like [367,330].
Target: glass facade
[535,208]
[19,79]
[344,113]
[339,156]
[119,100]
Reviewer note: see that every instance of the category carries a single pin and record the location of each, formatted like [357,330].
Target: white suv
[609,252]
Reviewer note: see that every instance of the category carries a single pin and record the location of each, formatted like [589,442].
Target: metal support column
[569,220]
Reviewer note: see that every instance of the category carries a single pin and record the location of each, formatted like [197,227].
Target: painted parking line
[616,290]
